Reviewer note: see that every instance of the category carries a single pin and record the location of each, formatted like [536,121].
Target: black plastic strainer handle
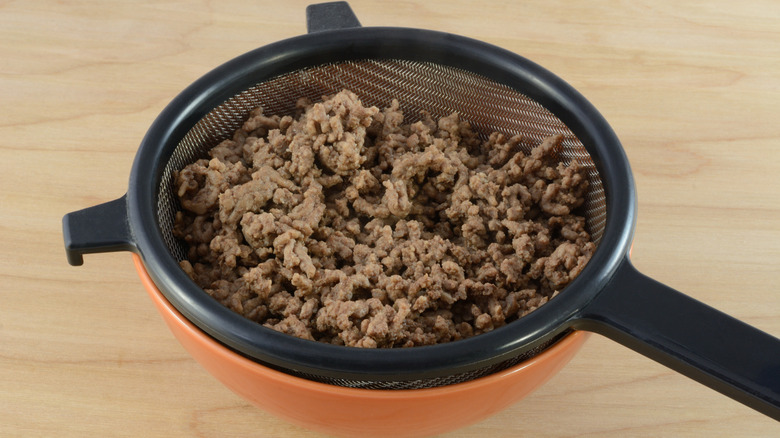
[101,228]
[689,337]
[329,16]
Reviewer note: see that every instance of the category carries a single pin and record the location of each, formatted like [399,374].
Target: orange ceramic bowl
[363,412]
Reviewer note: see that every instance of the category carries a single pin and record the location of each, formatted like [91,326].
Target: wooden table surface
[691,88]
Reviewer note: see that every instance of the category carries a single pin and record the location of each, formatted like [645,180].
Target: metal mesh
[433,382]
[440,90]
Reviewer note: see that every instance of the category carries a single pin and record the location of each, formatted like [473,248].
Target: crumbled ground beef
[346,226]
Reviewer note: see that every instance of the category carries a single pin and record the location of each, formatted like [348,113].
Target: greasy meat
[345,225]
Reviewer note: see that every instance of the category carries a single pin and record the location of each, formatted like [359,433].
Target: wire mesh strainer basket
[494,90]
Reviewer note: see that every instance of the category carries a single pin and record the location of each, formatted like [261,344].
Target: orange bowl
[363,412]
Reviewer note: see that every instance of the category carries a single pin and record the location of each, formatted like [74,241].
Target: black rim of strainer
[328,361]
[609,297]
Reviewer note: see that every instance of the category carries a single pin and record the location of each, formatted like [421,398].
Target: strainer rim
[287,352]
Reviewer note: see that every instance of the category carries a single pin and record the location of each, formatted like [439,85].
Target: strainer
[494,90]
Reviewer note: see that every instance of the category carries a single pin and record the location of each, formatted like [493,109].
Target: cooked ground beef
[344,225]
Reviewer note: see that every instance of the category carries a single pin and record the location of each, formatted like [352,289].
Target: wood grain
[691,88]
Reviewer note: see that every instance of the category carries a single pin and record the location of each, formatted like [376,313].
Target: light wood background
[691,88]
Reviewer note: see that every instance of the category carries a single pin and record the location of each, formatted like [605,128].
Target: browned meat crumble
[346,226]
